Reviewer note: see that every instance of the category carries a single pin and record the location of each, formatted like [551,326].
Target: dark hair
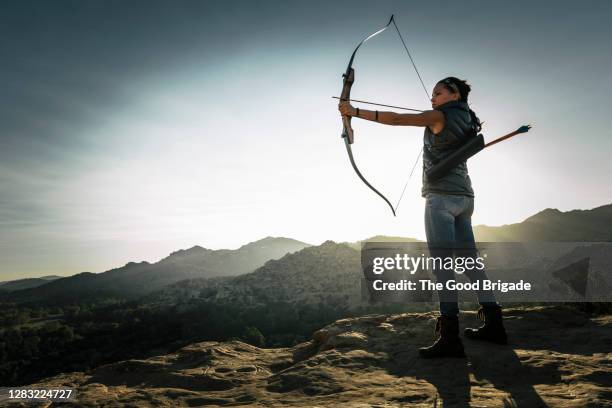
[456,85]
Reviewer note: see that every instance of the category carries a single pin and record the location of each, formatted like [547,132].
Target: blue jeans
[448,226]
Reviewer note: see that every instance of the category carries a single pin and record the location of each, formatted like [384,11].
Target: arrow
[378,104]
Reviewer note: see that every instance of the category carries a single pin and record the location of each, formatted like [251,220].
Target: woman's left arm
[431,118]
[427,118]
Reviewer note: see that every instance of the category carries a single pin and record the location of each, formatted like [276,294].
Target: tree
[253,336]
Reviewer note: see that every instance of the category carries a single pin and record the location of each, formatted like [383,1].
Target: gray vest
[457,127]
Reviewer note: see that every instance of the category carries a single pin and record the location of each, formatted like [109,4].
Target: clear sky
[129,130]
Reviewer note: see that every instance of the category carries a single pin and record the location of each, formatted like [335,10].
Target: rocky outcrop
[557,357]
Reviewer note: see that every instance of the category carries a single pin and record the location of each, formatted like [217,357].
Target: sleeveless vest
[457,129]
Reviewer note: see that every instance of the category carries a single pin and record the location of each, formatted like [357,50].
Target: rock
[556,357]
[352,339]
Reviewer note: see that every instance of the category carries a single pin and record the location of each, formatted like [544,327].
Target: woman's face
[442,95]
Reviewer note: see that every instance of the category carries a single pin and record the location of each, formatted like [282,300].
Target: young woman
[448,208]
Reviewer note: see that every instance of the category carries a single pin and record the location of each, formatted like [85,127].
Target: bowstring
[426,95]
[411,59]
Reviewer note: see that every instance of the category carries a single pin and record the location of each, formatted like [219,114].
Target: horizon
[158,258]
[132,129]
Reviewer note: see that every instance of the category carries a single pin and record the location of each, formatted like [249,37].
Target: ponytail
[476,123]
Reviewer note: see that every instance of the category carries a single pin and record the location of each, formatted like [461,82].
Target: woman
[448,208]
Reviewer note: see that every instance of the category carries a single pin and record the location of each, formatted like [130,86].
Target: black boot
[448,344]
[493,329]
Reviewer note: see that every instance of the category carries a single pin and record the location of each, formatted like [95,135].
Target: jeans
[448,226]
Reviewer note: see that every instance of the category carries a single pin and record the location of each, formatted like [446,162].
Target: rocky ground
[557,357]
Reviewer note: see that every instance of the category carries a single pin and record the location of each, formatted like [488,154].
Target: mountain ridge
[138,278]
[552,224]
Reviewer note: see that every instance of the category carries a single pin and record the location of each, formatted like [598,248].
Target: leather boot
[448,344]
[493,329]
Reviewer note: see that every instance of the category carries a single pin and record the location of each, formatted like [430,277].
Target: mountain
[137,279]
[554,225]
[327,275]
[556,357]
[380,238]
[27,283]
[305,277]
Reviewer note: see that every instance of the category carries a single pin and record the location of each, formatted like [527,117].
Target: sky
[129,130]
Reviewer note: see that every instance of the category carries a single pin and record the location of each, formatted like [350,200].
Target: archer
[448,207]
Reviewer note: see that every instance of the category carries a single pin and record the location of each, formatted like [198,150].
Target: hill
[137,279]
[27,283]
[554,225]
[328,275]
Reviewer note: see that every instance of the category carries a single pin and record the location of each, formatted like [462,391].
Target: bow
[347,131]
